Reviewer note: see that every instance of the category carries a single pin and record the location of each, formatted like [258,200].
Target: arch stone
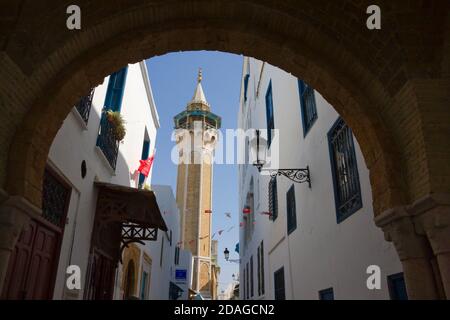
[391,85]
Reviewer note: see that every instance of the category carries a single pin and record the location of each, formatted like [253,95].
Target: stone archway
[392,86]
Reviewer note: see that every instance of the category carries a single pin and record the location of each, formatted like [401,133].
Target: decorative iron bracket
[132,233]
[234,260]
[295,175]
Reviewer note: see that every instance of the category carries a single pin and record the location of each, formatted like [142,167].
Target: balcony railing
[107,142]
[84,106]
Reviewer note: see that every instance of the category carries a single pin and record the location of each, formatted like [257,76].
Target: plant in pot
[118,124]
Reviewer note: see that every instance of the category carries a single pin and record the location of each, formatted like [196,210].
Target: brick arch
[373,79]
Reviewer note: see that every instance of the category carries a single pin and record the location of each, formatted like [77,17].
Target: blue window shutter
[344,170]
[327,294]
[291,210]
[279,286]
[269,114]
[116,87]
[247,76]
[144,284]
[145,153]
[397,287]
[273,198]
[307,106]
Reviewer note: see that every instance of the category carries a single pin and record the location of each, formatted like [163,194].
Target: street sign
[180,274]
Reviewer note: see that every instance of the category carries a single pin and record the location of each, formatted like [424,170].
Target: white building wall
[185,263]
[75,142]
[162,265]
[320,253]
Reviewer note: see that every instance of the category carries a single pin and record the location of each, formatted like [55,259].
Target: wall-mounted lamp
[227,254]
[296,175]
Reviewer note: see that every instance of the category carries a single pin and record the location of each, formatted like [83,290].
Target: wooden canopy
[128,205]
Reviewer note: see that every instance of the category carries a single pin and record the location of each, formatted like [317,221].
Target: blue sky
[173,78]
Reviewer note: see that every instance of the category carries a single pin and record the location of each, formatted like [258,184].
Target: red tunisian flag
[146,165]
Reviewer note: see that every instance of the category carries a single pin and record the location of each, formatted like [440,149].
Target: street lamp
[296,175]
[227,254]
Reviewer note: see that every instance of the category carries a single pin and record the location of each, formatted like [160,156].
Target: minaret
[196,137]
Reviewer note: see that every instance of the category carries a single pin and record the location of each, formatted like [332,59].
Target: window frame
[145,277]
[303,90]
[324,292]
[343,215]
[246,81]
[273,198]
[393,289]
[116,85]
[144,156]
[252,284]
[270,118]
[177,256]
[261,288]
[275,289]
[247,277]
[291,213]
[162,252]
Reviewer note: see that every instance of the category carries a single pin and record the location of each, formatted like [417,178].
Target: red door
[101,280]
[32,265]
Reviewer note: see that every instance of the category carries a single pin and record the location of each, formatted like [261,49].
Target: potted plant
[118,124]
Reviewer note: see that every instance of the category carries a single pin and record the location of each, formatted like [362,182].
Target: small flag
[246,210]
[146,165]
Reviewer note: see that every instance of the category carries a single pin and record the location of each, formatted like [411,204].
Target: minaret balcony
[186,119]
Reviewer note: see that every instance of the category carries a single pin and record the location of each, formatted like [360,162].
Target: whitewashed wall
[320,253]
[76,142]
